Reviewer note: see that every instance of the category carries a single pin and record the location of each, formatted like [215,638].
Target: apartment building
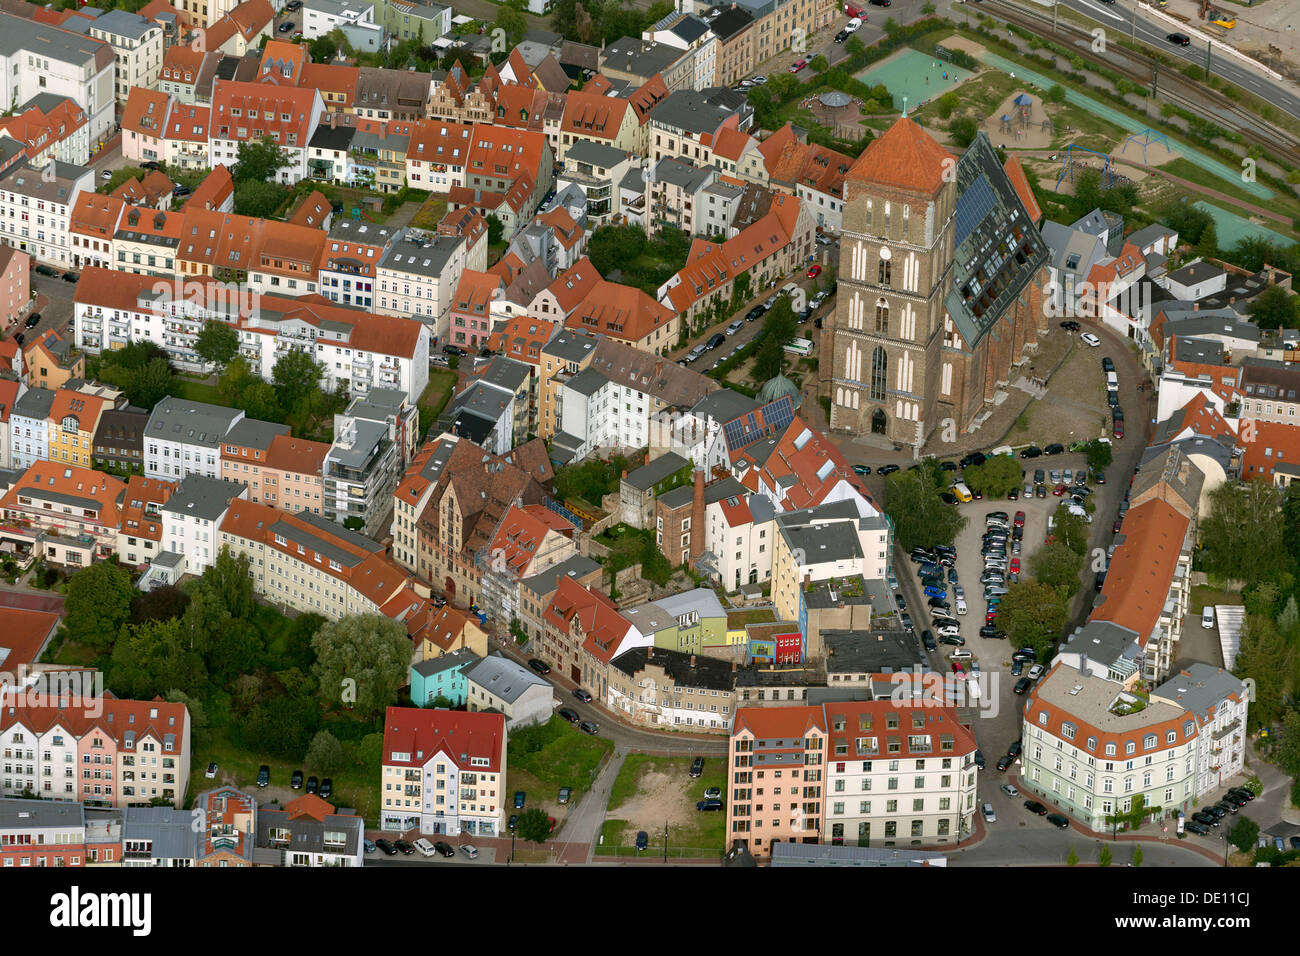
[184,438]
[1093,748]
[417,277]
[1219,701]
[777,774]
[74,419]
[29,427]
[350,270]
[140,534]
[39,833]
[308,832]
[662,688]
[833,541]
[444,772]
[813,173]
[690,121]
[733,26]
[581,626]
[191,518]
[51,361]
[51,127]
[244,112]
[37,58]
[138,46]
[66,513]
[359,473]
[111,752]
[528,540]
[35,207]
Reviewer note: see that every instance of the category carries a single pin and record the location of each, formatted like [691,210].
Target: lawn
[430,214]
[737,619]
[189,389]
[556,754]
[436,395]
[1204,594]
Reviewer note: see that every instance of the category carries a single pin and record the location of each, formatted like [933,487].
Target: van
[962,492]
[800,347]
[961,654]
[961,606]
[1207,616]
[424,846]
[972,689]
[1112,382]
[995,591]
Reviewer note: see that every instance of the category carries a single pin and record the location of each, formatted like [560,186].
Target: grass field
[190,390]
[436,395]
[1204,594]
[556,754]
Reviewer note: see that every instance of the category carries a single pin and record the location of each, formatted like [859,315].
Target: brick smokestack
[697,517]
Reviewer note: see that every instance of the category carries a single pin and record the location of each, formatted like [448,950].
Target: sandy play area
[1020,122]
[1155,152]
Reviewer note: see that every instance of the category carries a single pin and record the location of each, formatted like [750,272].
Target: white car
[1009,790]
[989,815]
[1035,672]
[789,288]
[1207,616]
[106,175]
[1090,339]
[424,846]
[759,80]
[853,25]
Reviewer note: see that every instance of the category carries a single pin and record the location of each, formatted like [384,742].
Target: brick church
[940,286]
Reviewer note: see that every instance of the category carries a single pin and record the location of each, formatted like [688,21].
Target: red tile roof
[1265,446]
[905,156]
[423,733]
[1142,568]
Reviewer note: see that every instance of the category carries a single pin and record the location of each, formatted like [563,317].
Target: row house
[529,540]
[691,33]
[655,687]
[287,473]
[190,520]
[535,593]
[608,121]
[37,58]
[185,136]
[453,95]
[443,772]
[92,224]
[137,45]
[348,273]
[436,155]
[40,833]
[813,173]
[74,419]
[35,206]
[308,832]
[417,277]
[10,391]
[50,128]
[687,124]
[1219,702]
[184,438]
[358,351]
[470,316]
[578,616]
[50,361]
[733,27]
[245,112]
[493,408]
[66,513]
[140,534]
[109,752]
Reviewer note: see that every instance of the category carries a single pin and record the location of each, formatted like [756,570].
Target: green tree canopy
[98,604]
[1274,308]
[325,755]
[1033,614]
[296,374]
[993,479]
[217,342]
[155,658]
[1265,658]
[1100,454]
[1244,834]
[1057,566]
[362,656]
[533,825]
[963,131]
[259,161]
[1242,536]
[921,518]
[1070,529]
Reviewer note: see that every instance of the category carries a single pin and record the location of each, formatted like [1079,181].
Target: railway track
[1172,85]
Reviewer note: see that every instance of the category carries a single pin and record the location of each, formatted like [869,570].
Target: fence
[652,853]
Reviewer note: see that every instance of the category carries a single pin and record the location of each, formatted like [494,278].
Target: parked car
[520,798]
[1089,339]
[211,772]
[1023,685]
[798,65]
[1004,762]
[1033,806]
[403,847]
[989,815]
[286,26]
[368,845]
[326,788]
[470,850]
[295,782]
[713,793]
[642,840]
[814,272]
[709,805]
[263,775]
[313,784]
[540,666]
[444,849]
[582,695]
[886,469]
[1033,451]
[697,768]
[979,759]
[862,470]
[1058,820]
[386,847]
[424,847]
[564,796]
[589,727]
[570,715]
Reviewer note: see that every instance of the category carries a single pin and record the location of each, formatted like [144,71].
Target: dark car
[1058,820]
[1218,811]
[286,27]
[1070,325]
[570,715]
[404,847]
[642,840]
[886,469]
[841,36]
[313,784]
[386,847]
[293,5]
[1027,654]
[1056,448]
[755,313]
[1040,491]
[1107,365]
[1023,685]
[1014,750]
[880,3]
[1179,39]
[979,759]
[988,631]
[1205,819]
[514,821]
[444,849]
[1017,668]
[940,604]
[1227,806]
[263,775]
[1033,451]
[1235,799]
[714,341]
[1004,763]
[863,470]
[1200,829]
[520,798]
[582,695]
[588,727]
[70,277]
[697,767]
[46,271]
[928,641]
[1243,793]
[709,805]
[948,498]
[295,782]
[1033,806]
[955,640]
[539,666]
[33,320]
[326,787]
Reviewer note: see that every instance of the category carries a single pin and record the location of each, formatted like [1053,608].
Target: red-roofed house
[62,134]
[1271,451]
[607,120]
[522,338]
[428,752]
[577,615]
[813,173]
[144,120]
[764,739]
[245,112]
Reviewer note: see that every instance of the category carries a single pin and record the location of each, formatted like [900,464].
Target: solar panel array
[745,430]
[972,206]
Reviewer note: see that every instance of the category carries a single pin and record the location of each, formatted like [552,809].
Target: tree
[1104,857]
[1033,614]
[98,604]
[198,717]
[154,658]
[963,131]
[1073,858]
[261,401]
[1242,535]
[533,825]
[1265,658]
[768,360]
[1288,751]
[1071,529]
[296,374]
[161,604]
[513,23]
[1057,566]
[258,198]
[229,579]
[325,755]
[370,751]
[235,379]
[1208,245]
[818,64]
[612,247]
[217,343]
[780,322]
[1274,308]
[361,662]
[259,161]
[947,103]
[1244,834]
[1056,94]
[1100,454]
[496,230]
[1137,855]
[994,478]
[323,49]
[237,648]
[921,518]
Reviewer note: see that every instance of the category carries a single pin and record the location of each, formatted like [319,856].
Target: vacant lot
[555,754]
[1074,408]
[653,792]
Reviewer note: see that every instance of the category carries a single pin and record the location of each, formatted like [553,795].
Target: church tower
[896,268]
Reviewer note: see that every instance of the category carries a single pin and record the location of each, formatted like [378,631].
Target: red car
[990,616]
[957,668]
[1020,519]
[814,272]
[1119,522]
[1118,431]
[1059,490]
[1015,566]
[798,65]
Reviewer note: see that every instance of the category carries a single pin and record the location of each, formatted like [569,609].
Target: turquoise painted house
[442,676]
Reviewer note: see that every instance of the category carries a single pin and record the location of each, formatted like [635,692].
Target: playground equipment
[1072,156]
[1145,139]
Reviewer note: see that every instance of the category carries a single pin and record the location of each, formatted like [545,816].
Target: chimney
[649,652]
[692,660]
[697,518]
[733,667]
